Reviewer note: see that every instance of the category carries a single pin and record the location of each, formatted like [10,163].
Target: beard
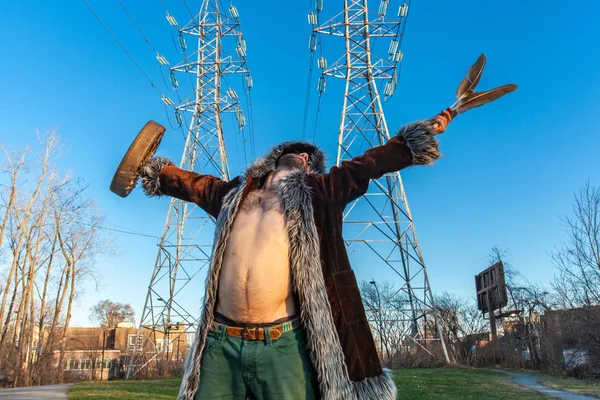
[290,161]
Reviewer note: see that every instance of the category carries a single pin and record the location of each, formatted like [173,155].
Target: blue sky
[509,171]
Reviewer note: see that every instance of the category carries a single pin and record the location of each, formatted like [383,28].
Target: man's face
[292,161]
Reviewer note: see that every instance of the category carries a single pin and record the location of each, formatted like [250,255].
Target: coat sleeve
[160,177]
[415,144]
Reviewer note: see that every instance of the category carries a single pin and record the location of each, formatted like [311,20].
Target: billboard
[491,288]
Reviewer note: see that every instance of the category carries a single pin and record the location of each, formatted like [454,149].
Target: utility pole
[186,243]
[379,319]
[492,316]
[103,347]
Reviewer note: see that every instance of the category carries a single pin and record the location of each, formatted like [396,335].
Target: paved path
[36,392]
[532,382]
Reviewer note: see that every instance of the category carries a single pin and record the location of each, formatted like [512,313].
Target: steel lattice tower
[171,310]
[378,227]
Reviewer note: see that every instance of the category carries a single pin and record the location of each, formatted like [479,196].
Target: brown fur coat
[340,343]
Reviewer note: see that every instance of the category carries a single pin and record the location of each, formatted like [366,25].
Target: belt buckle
[276,332]
[248,333]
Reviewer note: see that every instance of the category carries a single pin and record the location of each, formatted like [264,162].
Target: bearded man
[283,316]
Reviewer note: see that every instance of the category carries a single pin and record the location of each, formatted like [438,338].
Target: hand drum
[141,150]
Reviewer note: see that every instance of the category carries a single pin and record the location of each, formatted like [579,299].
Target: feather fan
[473,76]
[476,99]
[466,95]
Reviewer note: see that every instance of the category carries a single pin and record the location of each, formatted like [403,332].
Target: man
[283,316]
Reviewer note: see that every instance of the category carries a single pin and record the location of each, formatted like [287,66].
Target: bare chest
[262,201]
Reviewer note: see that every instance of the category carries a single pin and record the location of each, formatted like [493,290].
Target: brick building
[103,354]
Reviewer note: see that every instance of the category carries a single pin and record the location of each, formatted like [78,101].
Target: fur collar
[263,165]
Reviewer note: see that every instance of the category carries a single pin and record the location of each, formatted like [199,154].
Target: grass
[421,383]
[587,387]
[165,389]
[455,383]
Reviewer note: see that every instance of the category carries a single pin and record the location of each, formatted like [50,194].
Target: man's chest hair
[262,200]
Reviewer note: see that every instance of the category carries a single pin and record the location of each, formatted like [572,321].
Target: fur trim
[381,387]
[191,375]
[150,173]
[263,165]
[420,139]
[324,346]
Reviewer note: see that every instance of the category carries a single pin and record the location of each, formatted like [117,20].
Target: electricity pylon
[378,227]
[172,306]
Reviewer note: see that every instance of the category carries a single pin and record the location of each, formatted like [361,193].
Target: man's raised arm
[160,177]
[415,144]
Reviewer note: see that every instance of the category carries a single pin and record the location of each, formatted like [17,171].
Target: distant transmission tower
[378,227]
[172,306]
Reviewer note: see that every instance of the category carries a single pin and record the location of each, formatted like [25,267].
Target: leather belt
[257,333]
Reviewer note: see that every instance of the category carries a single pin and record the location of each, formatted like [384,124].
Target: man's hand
[441,121]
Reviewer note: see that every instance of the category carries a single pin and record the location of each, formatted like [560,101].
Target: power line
[308,86]
[317,118]
[117,230]
[147,40]
[123,48]
[163,97]
[188,8]
[138,27]
[79,222]
[158,55]
[251,118]
[318,45]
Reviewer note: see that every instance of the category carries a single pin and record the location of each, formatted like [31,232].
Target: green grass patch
[456,383]
[587,387]
[165,389]
[417,383]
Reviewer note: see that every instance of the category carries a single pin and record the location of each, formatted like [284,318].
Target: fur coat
[340,343]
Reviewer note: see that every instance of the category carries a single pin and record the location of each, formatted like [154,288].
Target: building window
[73,364]
[131,341]
[106,363]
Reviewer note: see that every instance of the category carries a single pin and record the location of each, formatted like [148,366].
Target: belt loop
[268,335]
[222,332]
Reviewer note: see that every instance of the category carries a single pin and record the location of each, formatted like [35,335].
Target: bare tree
[14,169]
[80,241]
[526,303]
[49,147]
[389,313]
[462,323]
[50,232]
[109,314]
[578,260]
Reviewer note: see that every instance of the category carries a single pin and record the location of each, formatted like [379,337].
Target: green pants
[234,368]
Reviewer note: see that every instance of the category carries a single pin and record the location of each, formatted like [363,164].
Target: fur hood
[263,165]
